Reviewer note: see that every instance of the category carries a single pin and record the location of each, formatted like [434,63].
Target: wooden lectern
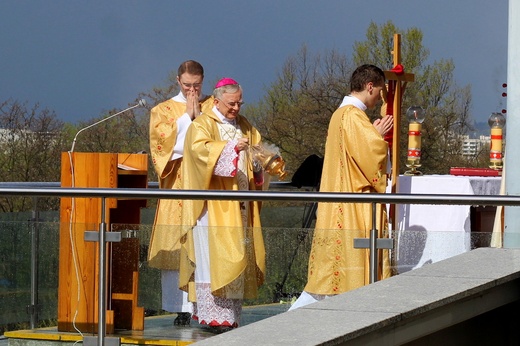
[79,259]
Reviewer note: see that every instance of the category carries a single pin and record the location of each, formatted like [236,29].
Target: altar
[430,233]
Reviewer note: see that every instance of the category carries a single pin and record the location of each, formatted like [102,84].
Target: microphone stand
[101,239]
[141,102]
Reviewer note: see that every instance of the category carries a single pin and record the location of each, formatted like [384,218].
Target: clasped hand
[384,124]
[192,104]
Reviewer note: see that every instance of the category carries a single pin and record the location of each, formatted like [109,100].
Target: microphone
[141,103]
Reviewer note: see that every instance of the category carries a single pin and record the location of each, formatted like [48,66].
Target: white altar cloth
[430,233]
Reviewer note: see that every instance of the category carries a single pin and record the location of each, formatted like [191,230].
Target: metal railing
[35,190]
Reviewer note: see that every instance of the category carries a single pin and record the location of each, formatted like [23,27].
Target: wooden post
[399,80]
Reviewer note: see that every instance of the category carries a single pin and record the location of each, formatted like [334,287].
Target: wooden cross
[397,82]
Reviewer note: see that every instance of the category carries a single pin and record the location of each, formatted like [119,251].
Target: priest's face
[190,84]
[229,104]
[373,95]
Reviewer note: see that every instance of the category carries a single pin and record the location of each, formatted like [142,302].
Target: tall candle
[496,139]
[414,140]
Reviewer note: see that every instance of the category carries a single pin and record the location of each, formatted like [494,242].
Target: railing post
[373,244]
[33,309]
[102,238]
[102,304]
[373,247]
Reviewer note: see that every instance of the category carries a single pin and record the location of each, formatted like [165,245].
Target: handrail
[388,198]
[54,190]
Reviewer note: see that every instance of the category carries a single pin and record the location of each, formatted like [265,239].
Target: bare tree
[32,139]
[128,132]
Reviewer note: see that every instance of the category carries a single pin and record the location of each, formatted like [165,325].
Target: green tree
[295,112]
[447,105]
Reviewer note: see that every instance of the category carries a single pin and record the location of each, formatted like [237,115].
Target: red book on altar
[481,172]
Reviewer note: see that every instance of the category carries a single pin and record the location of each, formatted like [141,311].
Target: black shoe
[182,319]
[220,329]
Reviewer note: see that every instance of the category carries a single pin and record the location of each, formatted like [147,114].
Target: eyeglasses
[232,104]
[191,85]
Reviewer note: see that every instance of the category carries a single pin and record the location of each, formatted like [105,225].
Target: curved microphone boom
[141,103]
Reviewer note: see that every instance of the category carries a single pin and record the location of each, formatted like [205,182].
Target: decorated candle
[496,122]
[414,140]
[496,139]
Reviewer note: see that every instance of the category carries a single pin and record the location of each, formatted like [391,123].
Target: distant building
[473,146]
[11,136]
[7,135]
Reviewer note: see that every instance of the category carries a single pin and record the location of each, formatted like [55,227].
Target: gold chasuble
[165,239]
[235,249]
[355,161]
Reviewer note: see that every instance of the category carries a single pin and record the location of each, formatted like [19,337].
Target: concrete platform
[469,299]
[158,330]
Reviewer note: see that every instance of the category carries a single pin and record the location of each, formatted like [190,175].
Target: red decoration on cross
[398,69]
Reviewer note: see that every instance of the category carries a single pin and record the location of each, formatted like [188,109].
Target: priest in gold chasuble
[169,121]
[356,161]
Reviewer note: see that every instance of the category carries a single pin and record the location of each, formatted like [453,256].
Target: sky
[84,58]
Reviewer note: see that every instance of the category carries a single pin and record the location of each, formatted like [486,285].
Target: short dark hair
[365,74]
[191,67]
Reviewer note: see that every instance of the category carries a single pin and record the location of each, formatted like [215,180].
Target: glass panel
[287,245]
[16,245]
